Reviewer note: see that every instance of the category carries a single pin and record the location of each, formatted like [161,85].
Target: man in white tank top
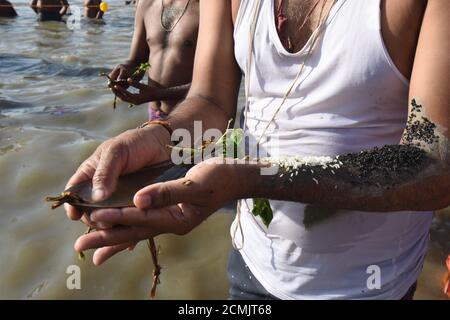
[328,85]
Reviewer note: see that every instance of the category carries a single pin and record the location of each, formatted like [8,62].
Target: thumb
[106,174]
[165,194]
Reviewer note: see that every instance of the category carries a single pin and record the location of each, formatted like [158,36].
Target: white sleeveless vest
[351,97]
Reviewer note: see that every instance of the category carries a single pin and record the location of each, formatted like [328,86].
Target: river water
[54,111]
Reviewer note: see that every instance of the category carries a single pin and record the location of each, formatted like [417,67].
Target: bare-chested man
[165,35]
[7,9]
[50,10]
[92,9]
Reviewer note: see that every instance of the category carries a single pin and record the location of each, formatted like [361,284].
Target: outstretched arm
[414,176]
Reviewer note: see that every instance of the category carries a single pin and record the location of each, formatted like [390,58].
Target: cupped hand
[174,207]
[147,93]
[122,73]
[123,154]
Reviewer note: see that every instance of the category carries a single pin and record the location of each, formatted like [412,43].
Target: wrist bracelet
[162,123]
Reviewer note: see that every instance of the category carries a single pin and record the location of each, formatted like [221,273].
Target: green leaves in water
[261,208]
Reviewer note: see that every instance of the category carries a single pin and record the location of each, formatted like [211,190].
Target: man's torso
[172,38]
[49,6]
[400,24]
[91,8]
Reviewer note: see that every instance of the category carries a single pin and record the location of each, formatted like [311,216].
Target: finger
[123,75]
[136,84]
[109,167]
[174,219]
[103,254]
[160,220]
[85,172]
[128,96]
[87,221]
[121,96]
[124,95]
[164,194]
[115,73]
[111,237]
[72,212]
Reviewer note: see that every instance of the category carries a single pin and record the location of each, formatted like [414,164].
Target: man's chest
[175,28]
[400,24]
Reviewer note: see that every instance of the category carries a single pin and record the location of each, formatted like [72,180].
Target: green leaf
[261,208]
[231,144]
[237,139]
[142,68]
